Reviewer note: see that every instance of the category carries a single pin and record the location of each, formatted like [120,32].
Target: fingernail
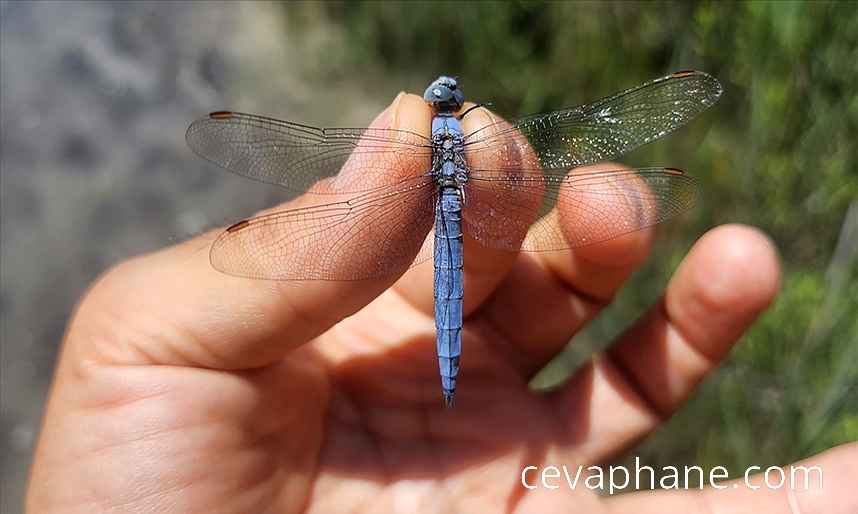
[394,109]
[387,117]
[486,116]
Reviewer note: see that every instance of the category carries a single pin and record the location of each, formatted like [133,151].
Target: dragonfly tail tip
[449,399]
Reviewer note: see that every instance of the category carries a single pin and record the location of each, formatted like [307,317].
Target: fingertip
[734,265]
[478,118]
[385,118]
[580,208]
[406,112]
[598,268]
[410,112]
[731,275]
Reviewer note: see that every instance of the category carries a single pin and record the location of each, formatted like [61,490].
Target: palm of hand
[354,418]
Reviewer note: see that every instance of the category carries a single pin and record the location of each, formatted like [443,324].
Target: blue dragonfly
[391,199]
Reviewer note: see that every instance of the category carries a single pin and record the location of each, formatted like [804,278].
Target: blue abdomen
[449,287]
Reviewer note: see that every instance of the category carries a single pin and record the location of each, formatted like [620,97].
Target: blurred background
[96,98]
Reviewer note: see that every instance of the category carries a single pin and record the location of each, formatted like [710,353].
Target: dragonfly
[390,199]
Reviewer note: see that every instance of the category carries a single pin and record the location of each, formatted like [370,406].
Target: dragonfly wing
[374,234]
[599,131]
[548,211]
[298,156]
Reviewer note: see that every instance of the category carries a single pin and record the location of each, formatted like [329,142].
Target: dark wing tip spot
[221,115]
[235,227]
[674,171]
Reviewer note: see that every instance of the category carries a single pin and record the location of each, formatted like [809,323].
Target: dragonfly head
[444,95]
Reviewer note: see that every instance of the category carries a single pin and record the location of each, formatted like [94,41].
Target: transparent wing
[377,233]
[544,212]
[599,131]
[298,156]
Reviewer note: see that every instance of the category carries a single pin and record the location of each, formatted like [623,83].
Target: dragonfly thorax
[447,145]
[448,152]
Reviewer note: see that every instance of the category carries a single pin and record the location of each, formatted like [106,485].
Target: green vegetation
[778,152]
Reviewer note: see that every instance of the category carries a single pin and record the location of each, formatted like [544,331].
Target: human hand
[181,389]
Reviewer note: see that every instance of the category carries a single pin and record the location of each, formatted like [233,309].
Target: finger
[729,277]
[565,289]
[830,488]
[484,267]
[172,307]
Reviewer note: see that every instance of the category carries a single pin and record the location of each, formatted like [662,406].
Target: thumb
[172,307]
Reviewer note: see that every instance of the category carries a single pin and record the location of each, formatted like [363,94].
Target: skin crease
[182,389]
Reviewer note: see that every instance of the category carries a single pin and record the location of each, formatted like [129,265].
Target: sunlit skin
[184,390]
